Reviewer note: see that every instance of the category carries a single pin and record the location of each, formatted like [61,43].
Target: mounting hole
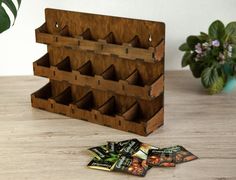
[150,38]
[56,25]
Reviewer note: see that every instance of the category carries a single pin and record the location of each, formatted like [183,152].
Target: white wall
[182,17]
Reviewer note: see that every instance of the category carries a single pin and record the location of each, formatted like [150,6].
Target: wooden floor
[35,144]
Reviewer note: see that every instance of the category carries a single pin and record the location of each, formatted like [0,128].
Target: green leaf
[204,34]
[5,22]
[217,86]
[203,37]
[186,59]
[19,2]
[209,76]
[196,68]
[230,29]
[11,6]
[184,47]
[233,50]
[216,30]
[192,41]
[233,39]
[215,51]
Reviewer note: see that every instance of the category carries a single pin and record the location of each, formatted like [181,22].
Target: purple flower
[198,48]
[215,43]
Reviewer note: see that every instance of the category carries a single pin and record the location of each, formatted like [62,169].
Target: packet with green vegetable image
[99,152]
[161,158]
[131,165]
[181,154]
[103,164]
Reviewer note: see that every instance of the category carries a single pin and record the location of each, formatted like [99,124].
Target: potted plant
[212,56]
[5,21]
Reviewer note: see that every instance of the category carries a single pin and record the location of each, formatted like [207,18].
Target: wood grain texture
[35,144]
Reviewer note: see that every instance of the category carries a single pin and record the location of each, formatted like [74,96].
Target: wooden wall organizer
[102,69]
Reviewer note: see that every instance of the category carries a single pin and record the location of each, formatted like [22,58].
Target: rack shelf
[104,76]
[100,107]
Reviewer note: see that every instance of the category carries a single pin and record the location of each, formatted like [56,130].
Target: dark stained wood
[102,69]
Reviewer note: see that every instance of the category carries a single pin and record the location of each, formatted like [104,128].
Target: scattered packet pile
[136,158]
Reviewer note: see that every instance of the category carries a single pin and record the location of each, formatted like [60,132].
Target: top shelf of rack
[127,38]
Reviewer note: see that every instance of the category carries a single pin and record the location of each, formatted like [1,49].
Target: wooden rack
[102,69]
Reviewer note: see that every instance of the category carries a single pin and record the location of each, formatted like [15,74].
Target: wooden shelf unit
[102,69]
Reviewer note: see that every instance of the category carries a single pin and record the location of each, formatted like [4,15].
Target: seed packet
[99,152]
[135,148]
[161,158]
[118,146]
[103,164]
[181,154]
[143,151]
[131,165]
[132,147]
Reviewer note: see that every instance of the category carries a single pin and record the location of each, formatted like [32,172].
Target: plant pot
[230,85]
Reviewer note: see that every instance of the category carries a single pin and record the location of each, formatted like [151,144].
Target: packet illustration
[103,164]
[161,158]
[181,154]
[99,152]
[132,147]
[131,165]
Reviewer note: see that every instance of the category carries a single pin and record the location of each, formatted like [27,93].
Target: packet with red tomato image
[131,165]
[161,158]
[181,154]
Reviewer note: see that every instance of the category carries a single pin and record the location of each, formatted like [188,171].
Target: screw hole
[56,25]
[150,38]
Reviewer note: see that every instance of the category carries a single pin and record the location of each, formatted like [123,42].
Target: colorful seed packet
[181,154]
[103,164]
[131,165]
[161,158]
[132,147]
[99,152]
